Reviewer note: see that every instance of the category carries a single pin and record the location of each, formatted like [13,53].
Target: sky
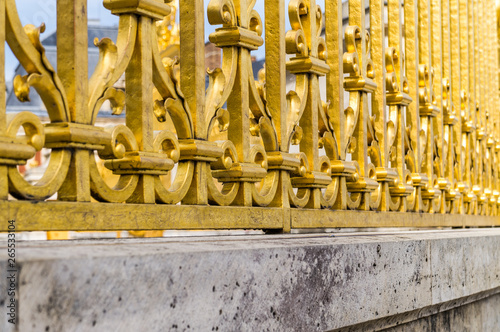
[44,11]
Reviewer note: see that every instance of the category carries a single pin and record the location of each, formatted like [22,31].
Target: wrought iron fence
[409,124]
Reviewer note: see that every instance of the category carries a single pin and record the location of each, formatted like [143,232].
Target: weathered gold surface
[418,134]
[53,216]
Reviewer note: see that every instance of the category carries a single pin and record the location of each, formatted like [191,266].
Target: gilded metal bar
[334,86]
[437,61]
[360,85]
[378,106]
[4,182]
[398,99]
[491,143]
[276,59]
[416,43]
[467,125]
[496,49]
[276,96]
[91,217]
[458,100]
[449,114]
[483,130]
[192,75]
[428,110]
[72,65]
[309,120]
[192,53]
[478,120]
[475,109]
[139,98]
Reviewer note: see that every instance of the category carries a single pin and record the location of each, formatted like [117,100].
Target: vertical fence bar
[428,110]
[472,104]
[309,120]
[497,101]
[482,110]
[377,35]
[474,91]
[357,17]
[139,100]
[192,64]
[4,183]
[276,62]
[437,61]
[276,90]
[413,11]
[335,84]
[476,189]
[449,117]
[72,66]
[457,98]
[476,115]
[493,110]
[398,102]
[238,106]
[466,127]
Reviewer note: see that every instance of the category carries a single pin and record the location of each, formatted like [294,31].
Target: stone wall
[482,315]
[314,282]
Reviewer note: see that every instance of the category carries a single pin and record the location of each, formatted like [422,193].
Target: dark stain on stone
[47,328]
[213,289]
[237,284]
[119,299]
[93,323]
[309,287]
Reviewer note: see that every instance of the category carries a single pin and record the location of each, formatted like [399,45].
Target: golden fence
[406,135]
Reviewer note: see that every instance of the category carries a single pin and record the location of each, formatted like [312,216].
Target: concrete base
[363,281]
[482,315]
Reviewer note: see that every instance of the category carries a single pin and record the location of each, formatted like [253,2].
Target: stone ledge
[248,283]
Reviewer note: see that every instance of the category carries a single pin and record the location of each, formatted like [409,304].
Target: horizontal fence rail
[408,124]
